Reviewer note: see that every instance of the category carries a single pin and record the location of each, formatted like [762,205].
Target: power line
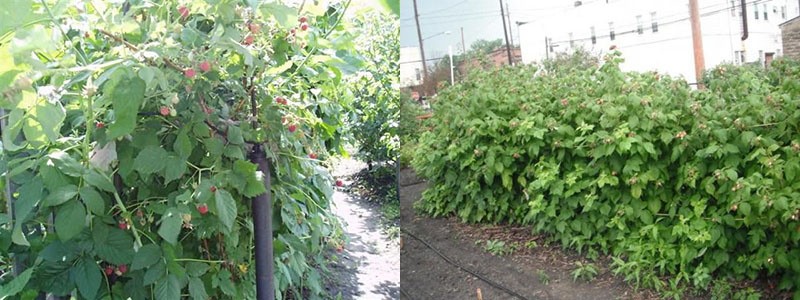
[635,30]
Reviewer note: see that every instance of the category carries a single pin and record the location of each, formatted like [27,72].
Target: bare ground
[369,265]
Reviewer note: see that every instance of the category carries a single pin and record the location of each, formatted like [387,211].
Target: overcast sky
[479,18]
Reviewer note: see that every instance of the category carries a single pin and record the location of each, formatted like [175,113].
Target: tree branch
[133,47]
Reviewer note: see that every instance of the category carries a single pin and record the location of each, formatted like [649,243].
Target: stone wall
[791,38]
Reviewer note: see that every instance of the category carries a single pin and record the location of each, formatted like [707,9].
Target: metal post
[452,79]
[463,46]
[262,227]
[546,49]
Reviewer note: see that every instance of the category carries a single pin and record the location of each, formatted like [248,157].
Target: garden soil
[369,265]
[543,272]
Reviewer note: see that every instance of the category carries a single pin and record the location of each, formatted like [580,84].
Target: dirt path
[369,265]
[540,273]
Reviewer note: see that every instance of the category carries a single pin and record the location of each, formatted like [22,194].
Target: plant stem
[138,243]
[84,61]
[200,260]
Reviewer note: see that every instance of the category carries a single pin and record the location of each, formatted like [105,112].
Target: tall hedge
[667,179]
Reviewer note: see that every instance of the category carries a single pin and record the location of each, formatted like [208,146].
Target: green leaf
[214,146]
[196,289]
[744,208]
[391,5]
[175,168]
[150,160]
[147,256]
[60,195]
[70,220]
[154,273]
[16,285]
[254,178]
[235,135]
[280,69]
[14,14]
[169,288]
[183,145]
[93,200]
[17,236]
[29,196]
[286,16]
[127,95]
[731,174]
[170,226]
[98,180]
[87,277]
[112,244]
[50,116]
[196,269]
[226,208]
[225,282]
[66,164]
[147,74]
[11,132]
[636,191]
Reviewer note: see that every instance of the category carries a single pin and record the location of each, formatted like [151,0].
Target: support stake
[262,229]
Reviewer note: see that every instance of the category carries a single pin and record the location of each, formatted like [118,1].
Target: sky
[479,18]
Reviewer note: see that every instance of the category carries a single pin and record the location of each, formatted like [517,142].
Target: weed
[497,247]
[584,271]
[531,245]
[543,277]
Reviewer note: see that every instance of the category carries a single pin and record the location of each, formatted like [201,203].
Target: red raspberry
[203,209]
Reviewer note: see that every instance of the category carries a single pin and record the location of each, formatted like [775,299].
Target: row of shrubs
[665,178]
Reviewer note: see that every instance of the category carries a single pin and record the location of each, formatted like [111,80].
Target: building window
[571,40]
[594,37]
[419,75]
[653,22]
[738,57]
[783,12]
[765,13]
[611,32]
[761,57]
[639,26]
[755,8]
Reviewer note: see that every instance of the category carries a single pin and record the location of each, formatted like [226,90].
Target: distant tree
[482,47]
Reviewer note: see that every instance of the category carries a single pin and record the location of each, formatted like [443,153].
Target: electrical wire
[660,24]
[465,269]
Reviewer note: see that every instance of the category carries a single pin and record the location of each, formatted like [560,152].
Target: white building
[410,67]
[656,35]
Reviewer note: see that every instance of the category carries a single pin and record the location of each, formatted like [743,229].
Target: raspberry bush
[666,179]
[127,135]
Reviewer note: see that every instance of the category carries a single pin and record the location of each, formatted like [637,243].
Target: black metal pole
[745,32]
[262,230]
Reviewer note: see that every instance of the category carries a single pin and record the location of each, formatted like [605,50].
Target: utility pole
[421,49]
[697,42]
[546,49]
[510,32]
[505,32]
[463,46]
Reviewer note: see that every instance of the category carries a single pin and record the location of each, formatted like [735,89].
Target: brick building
[790,33]
[496,58]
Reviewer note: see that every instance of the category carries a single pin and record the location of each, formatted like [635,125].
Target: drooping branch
[133,47]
